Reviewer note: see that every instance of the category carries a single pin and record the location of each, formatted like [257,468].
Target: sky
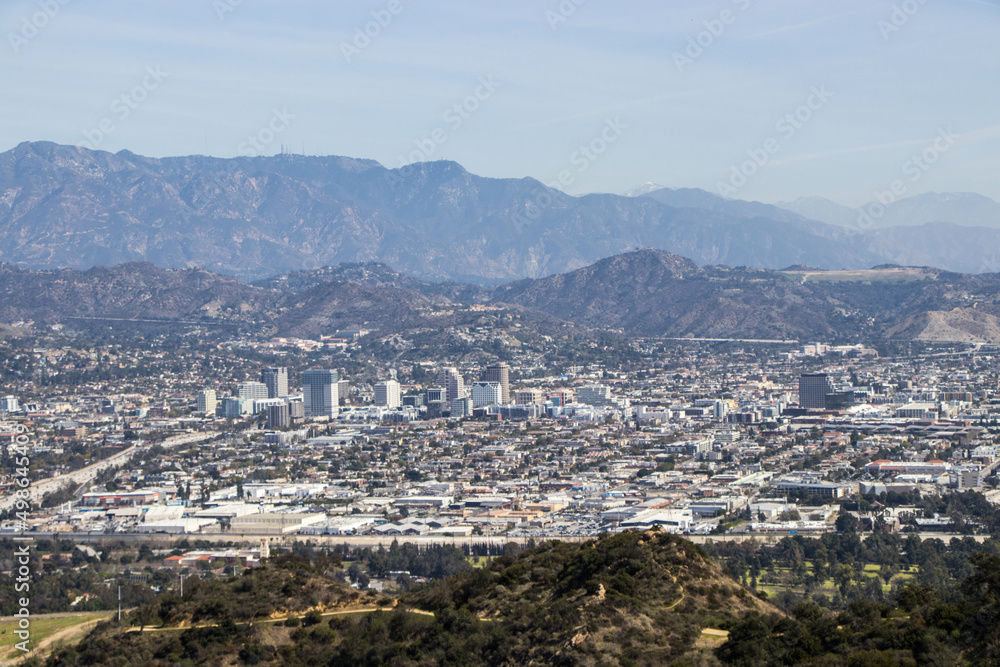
[752,99]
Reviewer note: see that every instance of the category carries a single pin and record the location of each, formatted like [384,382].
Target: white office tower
[207,401]
[720,409]
[254,391]
[486,393]
[594,394]
[320,393]
[276,379]
[387,394]
[453,383]
[9,404]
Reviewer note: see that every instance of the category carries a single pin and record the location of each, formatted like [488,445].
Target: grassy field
[828,585]
[47,629]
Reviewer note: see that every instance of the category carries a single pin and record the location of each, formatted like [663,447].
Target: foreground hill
[633,599]
[64,206]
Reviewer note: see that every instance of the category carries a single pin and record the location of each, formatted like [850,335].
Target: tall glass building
[276,379]
[813,388]
[320,393]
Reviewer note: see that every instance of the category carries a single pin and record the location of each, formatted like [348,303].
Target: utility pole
[119,604]
[182,586]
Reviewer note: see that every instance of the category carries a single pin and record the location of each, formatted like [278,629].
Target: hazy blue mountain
[67,207]
[967,209]
[703,199]
[822,209]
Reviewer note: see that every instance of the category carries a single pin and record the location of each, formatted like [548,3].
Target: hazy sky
[678,93]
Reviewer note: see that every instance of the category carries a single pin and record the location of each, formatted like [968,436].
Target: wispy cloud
[796,26]
[806,157]
[964,138]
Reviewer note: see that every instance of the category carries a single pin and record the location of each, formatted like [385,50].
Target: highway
[164,540]
[40,488]
[766,341]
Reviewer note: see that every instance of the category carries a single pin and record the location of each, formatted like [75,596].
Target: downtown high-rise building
[529,397]
[387,394]
[254,391]
[499,373]
[276,379]
[279,416]
[594,394]
[485,393]
[207,401]
[320,393]
[451,380]
[813,388]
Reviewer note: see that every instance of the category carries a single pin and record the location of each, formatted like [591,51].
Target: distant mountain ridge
[69,207]
[966,209]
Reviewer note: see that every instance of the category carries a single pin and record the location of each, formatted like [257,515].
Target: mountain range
[69,207]
[646,292]
[959,208]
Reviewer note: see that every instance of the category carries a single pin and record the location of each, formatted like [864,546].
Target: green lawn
[828,585]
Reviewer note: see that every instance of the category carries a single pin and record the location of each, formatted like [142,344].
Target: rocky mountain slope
[645,292]
[656,293]
[137,290]
[63,206]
